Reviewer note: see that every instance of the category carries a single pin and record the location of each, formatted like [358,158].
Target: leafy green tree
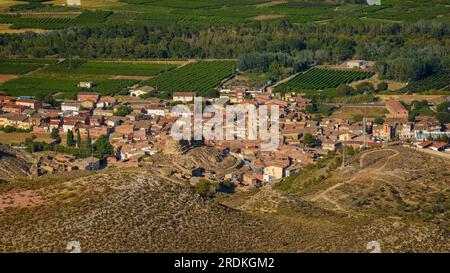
[89,140]
[79,141]
[443,117]
[122,111]
[357,118]
[103,147]
[350,150]
[70,141]
[365,87]
[309,140]
[382,86]
[311,109]
[54,133]
[276,69]
[204,188]
[226,186]
[443,107]
[379,120]
[344,90]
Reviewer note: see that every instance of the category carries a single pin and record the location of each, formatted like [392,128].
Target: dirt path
[270,88]
[361,173]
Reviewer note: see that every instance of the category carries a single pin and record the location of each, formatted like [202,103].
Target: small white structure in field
[357,63]
[374,2]
[141,91]
[86,84]
[74,2]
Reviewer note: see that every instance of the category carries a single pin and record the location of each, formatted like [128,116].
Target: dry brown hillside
[393,196]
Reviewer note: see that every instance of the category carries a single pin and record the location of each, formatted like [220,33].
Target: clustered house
[147,125]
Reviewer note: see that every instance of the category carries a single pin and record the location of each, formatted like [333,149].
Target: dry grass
[132,211]
[265,17]
[392,85]
[5,78]
[4,28]
[8,3]
[9,138]
[409,98]
[349,112]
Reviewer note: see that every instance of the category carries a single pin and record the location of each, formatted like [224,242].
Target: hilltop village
[94,132]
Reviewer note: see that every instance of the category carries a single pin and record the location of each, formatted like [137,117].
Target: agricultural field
[56,21]
[316,78]
[63,88]
[61,78]
[17,67]
[218,12]
[109,68]
[351,112]
[435,82]
[201,77]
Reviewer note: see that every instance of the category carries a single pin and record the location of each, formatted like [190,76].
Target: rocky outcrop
[13,164]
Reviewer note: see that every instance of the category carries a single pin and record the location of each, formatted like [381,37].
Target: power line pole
[364,132]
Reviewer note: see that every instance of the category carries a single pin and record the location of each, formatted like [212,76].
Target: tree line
[257,44]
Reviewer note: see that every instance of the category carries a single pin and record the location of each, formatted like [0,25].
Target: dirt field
[4,28]
[8,138]
[393,85]
[268,17]
[409,98]
[24,199]
[8,3]
[348,113]
[5,78]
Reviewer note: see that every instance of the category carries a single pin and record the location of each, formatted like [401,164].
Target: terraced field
[316,79]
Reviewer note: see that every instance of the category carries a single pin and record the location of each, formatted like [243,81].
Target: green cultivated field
[17,68]
[58,78]
[221,13]
[316,78]
[435,82]
[66,88]
[109,68]
[21,66]
[58,21]
[201,77]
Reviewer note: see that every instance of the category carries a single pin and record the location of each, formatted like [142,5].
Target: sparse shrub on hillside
[204,188]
